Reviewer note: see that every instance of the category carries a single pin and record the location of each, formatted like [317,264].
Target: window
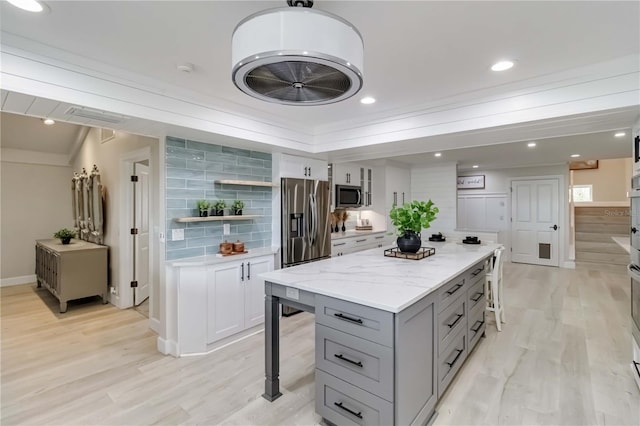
[582,193]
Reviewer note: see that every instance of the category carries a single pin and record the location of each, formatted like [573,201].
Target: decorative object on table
[237,207]
[226,247]
[471,240]
[421,253]
[437,237]
[238,247]
[218,207]
[344,215]
[471,182]
[409,220]
[332,218]
[65,235]
[203,207]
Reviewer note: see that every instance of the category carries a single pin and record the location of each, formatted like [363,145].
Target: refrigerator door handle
[359,197]
[311,219]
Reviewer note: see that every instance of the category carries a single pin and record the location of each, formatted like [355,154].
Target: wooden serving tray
[233,253]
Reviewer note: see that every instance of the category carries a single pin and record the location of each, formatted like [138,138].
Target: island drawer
[476,273]
[344,404]
[360,362]
[450,291]
[451,321]
[477,325]
[476,294]
[358,320]
[450,362]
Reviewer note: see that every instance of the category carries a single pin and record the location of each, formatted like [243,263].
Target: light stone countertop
[213,259]
[623,242]
[353,233]
[371,279]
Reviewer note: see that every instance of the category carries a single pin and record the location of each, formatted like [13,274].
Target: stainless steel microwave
[348,196]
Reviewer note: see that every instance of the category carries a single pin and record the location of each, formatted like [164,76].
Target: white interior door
[534,227]
[141,258]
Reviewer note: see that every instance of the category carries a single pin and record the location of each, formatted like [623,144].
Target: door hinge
[134,231]
[134,284]
[511,188]
[134,178]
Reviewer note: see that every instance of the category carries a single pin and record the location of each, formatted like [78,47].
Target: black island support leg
[271,346]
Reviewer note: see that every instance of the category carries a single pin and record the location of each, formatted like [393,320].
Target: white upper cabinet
[346,174]
[301,167]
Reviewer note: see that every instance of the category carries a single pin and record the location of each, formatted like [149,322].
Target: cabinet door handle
[347,318]
[248,270]
[379,237]
[454,289]
[339,405]
[395,198]
[403,198]
[305,171]
[452,363]
[242,276]
[477,271]
[350,361]
[339,244]
[453,324]
[361,241]
[475,330]
[309,171]
[478,296]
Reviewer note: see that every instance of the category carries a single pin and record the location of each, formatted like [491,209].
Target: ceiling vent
[95,114]
[297,56]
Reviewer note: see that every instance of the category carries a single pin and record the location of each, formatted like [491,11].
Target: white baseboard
[167,347]
[569,264]
[25,279]
[154,324]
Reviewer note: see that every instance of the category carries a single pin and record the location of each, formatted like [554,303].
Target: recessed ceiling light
[368,100]
[48,121]
[28,5]
[475,166]
[502,66]
[619,134]
[575,155]
[531,144]
[437,154]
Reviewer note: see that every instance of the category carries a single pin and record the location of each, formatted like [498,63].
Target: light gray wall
[191,169]
[35,201]
[437,183]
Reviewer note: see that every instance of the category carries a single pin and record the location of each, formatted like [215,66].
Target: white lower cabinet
[342,246]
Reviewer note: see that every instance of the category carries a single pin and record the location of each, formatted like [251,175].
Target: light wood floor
[562,359]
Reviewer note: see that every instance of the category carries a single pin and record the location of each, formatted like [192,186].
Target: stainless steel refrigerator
[306,236]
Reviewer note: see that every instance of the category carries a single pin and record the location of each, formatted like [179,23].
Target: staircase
[594,227]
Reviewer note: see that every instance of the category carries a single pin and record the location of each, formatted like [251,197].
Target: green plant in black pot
[65,235]
[237,207]
[203,207]
[218,207]
[410,219]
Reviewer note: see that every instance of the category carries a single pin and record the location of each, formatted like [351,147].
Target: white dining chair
[494,287]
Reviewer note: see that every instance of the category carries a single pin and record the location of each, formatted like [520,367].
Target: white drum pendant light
[297,56]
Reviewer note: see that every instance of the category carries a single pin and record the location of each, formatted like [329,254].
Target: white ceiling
[31,134]
[416,53]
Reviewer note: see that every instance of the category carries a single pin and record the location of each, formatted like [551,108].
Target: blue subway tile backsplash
[192,168]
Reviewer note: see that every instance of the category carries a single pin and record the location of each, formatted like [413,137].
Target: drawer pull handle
[475,330]
[478,296]
[454,289]
[361,241]
[452,363]
[353,413]
[477,271]
[453,324]
[346,318]
[339,244]
[350,361]
[377,238]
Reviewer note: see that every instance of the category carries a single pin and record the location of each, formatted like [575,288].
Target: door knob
[634,230]
[554,227]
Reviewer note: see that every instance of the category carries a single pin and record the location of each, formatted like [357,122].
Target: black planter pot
[66,240]
[204,213]
[238,212]
[218,212]
[410,242]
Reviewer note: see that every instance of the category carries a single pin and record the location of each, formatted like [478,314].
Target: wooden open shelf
[246,182]
[214,218]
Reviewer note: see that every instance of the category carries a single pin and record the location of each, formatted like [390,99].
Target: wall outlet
[113,290]
[177,234]
[226,229]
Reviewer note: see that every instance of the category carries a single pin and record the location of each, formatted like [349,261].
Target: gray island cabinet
[390,333]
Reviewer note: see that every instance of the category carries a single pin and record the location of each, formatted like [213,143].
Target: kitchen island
[390,333]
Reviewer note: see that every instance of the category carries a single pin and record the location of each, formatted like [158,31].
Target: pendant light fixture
[297,56]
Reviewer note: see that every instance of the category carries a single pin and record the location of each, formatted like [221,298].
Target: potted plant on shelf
[409,219]
[237,207]
[218,207]
[65,235]
[203,207]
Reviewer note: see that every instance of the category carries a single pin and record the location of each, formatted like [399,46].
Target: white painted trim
[154,324]
[167,347]
[569,264]
[125,292]
[231,340]
[77,144]
[24,279]
[10,155]
[602,204]
[159,238]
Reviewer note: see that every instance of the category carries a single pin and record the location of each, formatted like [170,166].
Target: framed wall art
[471,182]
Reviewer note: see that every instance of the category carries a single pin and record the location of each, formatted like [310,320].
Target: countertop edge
[212,259]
